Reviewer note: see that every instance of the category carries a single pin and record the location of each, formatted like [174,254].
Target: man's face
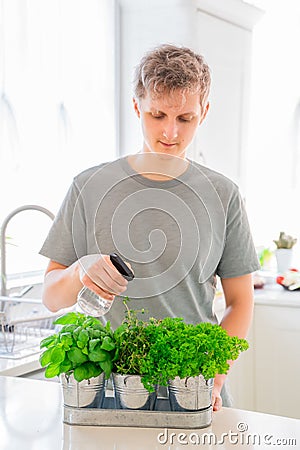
[169,122]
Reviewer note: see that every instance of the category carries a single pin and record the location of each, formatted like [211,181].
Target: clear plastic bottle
[91,303]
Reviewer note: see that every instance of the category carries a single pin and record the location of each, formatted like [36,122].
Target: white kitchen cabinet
[266,377]
[277,360]
[222,32]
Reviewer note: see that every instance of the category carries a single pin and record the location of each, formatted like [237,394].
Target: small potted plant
[81,354]
[132,348]
[187,357]
[284,251]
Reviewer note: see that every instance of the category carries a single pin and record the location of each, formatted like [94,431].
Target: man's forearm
[61,287]
[238,313]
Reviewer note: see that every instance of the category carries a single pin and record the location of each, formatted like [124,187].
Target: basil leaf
[108,344]
[66,339]
[57,355]
[52,371]
[107,367]
[49,340]
[45,357]
[93,343]
[65,366]
[71,317]
[98,355]
[80,373]
[76,356]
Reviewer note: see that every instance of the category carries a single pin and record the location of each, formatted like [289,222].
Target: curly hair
[169,68]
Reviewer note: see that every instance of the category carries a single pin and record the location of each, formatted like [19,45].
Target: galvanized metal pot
[84,394]
[190,394]
[130,393]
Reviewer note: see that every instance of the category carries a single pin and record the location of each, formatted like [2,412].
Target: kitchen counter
[271,294]
[276,295]
[31,418]
[19,366]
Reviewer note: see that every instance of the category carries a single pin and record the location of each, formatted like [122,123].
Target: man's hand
[97,273]
[216,399]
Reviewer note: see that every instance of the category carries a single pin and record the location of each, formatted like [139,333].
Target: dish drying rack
[23,323]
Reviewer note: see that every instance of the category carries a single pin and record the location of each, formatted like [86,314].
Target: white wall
[273,158]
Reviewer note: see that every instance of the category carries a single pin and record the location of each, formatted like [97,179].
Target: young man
[177,223]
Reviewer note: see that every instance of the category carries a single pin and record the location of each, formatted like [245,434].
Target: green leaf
[83,336]
[81,373]
[45,357]
[68,328]
[106,366]
[90,322]
[57,355]
[67,340]
[95,334]
[93,343]
[76,332]
[48,341]
[65,366]
[108,344]
[95,370]
[98,355]
[76,356]
[52,370]
[69,318]
[86,371]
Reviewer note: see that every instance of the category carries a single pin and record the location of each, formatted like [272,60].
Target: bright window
[57,107]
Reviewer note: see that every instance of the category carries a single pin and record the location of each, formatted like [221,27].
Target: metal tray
[161,417]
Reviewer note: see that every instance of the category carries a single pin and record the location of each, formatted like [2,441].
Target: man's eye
[157,116]
[183,119]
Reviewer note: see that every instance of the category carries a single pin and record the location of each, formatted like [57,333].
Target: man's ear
[136,107]
[206,108]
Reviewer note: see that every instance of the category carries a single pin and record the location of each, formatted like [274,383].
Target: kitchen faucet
[3,243]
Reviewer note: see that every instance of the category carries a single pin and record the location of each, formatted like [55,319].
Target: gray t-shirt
[177,235]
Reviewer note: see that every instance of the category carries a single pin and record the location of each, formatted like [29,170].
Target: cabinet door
[241,378]
[222,136]
[277,360]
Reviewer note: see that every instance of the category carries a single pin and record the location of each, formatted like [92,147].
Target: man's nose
[170,131]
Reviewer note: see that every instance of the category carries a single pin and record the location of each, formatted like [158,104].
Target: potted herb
[187,357]
[81,354]
[284,251]
[132,348]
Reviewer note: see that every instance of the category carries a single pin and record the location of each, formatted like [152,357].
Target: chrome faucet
[3,243]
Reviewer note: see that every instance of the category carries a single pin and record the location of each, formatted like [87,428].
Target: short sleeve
[239,256]
[59,244]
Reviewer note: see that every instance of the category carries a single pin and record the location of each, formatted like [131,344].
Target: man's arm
[238,293]
[61,285]
[96,272]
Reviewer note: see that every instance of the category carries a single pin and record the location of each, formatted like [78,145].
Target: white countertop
[276,295]
[20,366]
[271,295]
[31,418]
